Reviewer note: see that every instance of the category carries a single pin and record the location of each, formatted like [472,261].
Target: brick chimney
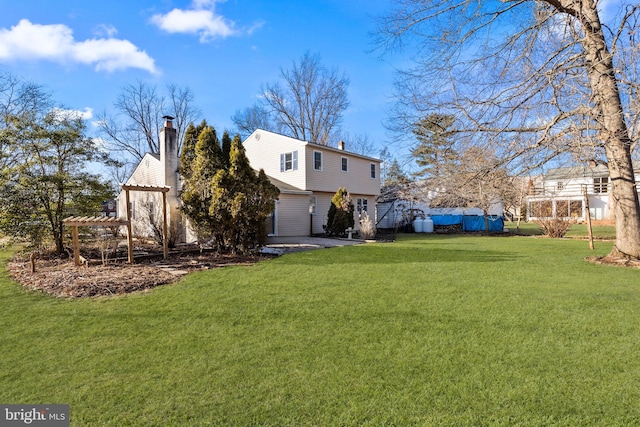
[169,174]
[169,156]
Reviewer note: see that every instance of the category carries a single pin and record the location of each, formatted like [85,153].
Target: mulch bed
[607,260]
[61,278]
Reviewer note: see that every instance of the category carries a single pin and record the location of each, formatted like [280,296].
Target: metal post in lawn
[588,216]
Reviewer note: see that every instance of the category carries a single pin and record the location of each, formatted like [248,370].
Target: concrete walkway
[283,245]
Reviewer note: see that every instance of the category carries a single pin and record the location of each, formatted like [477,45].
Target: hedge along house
[158,170]
[308,175]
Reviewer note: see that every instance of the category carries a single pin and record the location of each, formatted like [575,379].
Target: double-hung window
[372,174]
[362,205]
[289,161]
[345,164]
[317,160]
[601,185]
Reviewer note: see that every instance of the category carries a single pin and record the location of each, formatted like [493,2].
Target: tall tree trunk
[613,131]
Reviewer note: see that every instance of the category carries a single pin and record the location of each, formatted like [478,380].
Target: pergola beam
[88,221]
[150,188]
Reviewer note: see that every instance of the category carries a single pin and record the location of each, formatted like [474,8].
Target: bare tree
[474,180]
[534,79]
[252,118]
[359,143]
[307,103]
[135,128]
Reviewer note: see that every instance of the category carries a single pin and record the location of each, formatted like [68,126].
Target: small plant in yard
[367,226]
[340,216]
[554,227]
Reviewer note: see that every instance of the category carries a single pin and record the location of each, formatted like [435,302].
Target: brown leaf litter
[61,278]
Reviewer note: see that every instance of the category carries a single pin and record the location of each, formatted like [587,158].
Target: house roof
[287,188]
[597,171]
[318,146]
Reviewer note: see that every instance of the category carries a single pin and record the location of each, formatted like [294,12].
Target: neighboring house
[308,175]
[561,193]
[109,208]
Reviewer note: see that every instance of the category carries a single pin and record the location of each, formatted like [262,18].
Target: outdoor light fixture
[312,208]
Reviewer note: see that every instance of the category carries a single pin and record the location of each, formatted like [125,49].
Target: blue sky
[84,52]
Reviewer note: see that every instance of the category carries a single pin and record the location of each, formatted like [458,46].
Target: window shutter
[281,162]
[295,160]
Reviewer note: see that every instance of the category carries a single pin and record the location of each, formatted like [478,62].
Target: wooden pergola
[147,188]
[86,221]
[89,221]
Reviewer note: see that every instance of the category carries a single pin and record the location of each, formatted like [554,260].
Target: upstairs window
[373,171]
[345,164]
[289,161]
[601,185]
[317,160]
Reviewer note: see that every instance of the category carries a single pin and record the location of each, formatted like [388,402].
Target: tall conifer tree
[196,193]
[188,153]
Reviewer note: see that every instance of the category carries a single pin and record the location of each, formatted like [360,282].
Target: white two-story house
[561,193]
[308,175]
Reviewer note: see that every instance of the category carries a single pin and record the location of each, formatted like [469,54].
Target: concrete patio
[282,245]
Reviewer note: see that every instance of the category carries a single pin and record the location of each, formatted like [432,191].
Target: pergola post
[165,240]
[129,230]
[149,188]
[76,245]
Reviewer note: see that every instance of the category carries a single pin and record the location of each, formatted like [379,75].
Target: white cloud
[105,30]
[255,27]
[205,4]
[201,19]
[112,55]
[27,41]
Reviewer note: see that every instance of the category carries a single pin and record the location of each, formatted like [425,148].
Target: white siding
[557,191]
[263,150]
[356,180]
[293,215]
[146,173]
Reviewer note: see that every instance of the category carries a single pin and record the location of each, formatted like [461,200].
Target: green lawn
[430,330]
